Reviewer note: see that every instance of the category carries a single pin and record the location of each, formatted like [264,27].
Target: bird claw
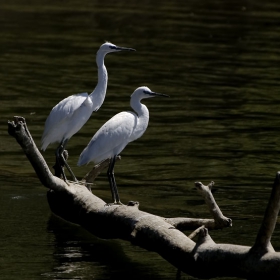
[114,203]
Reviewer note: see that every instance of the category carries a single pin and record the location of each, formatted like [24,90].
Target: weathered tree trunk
[204,258]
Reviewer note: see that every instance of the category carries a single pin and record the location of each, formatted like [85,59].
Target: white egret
[116,133]
[70,114]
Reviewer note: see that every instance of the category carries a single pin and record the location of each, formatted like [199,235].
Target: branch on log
[204,258]
[262,244]
[96,170]
[219,221]
[19,130]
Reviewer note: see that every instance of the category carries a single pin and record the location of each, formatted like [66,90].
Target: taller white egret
[116,133]
[70,114]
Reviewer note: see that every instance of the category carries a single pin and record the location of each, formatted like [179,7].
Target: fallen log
[204,258]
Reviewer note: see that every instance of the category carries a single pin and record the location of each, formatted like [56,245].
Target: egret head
[145,92]
[109,47]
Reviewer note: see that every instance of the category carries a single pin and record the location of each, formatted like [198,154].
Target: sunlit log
[204,258]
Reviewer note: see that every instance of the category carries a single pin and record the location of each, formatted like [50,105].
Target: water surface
[219,62]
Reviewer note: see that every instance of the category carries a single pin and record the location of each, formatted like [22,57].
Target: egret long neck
[143,117]
[98,95]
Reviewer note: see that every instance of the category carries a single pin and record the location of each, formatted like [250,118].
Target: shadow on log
[204,258]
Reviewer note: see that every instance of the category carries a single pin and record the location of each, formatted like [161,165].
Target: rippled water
[219,62]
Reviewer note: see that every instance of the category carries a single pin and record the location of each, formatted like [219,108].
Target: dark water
[219,62]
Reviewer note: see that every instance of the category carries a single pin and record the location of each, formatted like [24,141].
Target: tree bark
[204,258]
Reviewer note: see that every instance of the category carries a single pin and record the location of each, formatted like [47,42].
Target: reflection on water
[219,62]
[76,250]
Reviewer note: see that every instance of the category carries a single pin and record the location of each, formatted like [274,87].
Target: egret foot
[113,203]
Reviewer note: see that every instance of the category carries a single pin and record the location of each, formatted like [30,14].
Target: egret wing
[62,111]
[66,108]
[110,139]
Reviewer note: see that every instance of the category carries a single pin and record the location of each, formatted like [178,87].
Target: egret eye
[112,47]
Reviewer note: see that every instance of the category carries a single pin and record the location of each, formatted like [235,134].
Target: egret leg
[112,181]
[59,163]
[60,157]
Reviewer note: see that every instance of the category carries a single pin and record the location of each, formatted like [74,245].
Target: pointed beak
[125,49]
[157,94]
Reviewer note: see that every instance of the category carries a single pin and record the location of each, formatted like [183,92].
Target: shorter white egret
[116,133]
[70,114]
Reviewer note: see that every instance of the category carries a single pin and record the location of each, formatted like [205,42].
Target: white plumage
[116,133]
[110,139]
[65,112]
[70,114]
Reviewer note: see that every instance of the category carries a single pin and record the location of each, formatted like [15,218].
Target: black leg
[59,164]
[60,156]
[109,172]
[112,181]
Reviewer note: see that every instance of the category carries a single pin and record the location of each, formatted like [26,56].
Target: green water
[219,62]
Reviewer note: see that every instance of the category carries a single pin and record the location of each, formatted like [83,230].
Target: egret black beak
[124,49]
[156,94]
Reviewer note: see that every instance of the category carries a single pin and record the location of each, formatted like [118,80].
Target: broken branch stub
[219,218]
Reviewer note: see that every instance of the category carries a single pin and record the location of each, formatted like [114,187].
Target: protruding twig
[204,237]
[219,221]
[133,204]
[182,223]
[205,191]
[195,233]
[97,169]
[19,130]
